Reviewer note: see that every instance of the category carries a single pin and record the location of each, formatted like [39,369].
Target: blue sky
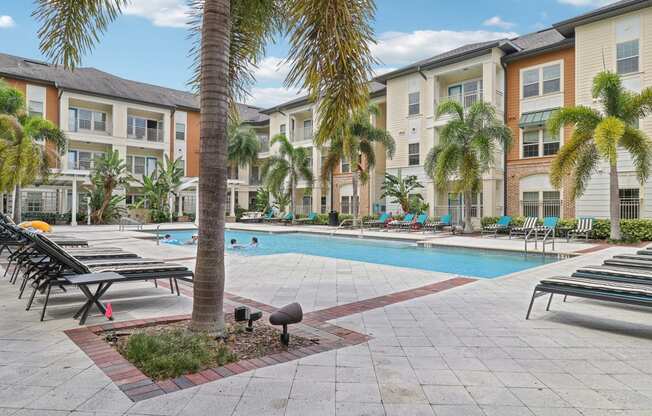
[149,43]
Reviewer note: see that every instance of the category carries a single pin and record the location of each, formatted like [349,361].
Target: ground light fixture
[243,313]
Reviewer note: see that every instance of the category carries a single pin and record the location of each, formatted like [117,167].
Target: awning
[535,118]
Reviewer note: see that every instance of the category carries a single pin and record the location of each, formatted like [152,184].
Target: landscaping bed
[169,350]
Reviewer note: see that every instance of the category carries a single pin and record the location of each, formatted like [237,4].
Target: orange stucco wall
[192,143]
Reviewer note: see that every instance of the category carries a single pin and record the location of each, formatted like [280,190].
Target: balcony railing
[301,134]
[151,134]
[630,208]
[466,99]
[264,144]
[541,209]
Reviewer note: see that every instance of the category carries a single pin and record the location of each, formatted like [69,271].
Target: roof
[376,89]
[567,27]
[96,82]
[539,42]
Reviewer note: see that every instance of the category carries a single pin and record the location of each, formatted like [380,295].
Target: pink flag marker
[109,311]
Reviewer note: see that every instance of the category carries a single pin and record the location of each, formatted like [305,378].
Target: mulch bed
[242,344]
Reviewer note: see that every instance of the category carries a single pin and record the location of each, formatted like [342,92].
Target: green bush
[172,353]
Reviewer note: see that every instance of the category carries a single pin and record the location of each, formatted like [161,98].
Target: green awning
[535,118]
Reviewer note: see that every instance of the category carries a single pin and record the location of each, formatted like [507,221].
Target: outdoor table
[103,280]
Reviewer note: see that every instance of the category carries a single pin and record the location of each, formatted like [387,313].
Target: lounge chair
[420,222]
[406,221]
[380,222]
[251,217]
[524,231]
[547,229]
[310,219]
[269,217]
[288,218]
[590,288]
[444,221]
[501,225]
[584,228]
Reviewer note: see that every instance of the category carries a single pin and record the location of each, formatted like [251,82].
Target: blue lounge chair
[289,217]
[501,225]
[401,223]
[380,222]
[421,221]
[444,221]
[310,219]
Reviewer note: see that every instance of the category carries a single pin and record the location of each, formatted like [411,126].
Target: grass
[174,352]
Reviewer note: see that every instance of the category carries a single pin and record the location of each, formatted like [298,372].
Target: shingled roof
[96,82]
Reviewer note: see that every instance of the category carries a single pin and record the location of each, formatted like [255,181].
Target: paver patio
[462,351]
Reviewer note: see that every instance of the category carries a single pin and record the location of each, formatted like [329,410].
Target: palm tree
[287,168]
[466,149]
[400,189]
[243,145]
[109,173]
[597,136]
[29,146]
[329,56]
[160,186]
[356,142]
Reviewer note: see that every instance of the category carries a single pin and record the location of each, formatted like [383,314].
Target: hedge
[632,230]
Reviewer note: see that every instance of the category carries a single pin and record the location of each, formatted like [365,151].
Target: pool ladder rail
[350,222]
[547,238]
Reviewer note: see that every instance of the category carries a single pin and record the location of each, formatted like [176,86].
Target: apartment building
[539,80]
[298,120]
[101,113]
[618,38]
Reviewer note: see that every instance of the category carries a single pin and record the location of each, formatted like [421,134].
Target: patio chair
[420,222]
[251,217]
[310,219]
[444,221]
[524,231]
[62,265]
[288,218]
[584,228]
[547,229]
[380,222]
[269,217]
[398,224]
[589,288]
[501,225]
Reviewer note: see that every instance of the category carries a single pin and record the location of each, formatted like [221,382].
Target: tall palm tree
[30,146]
[597,136]
[109,173]
[356,142]
[329,56]
[243,145]
[400,189]
[285,170]
[466,149]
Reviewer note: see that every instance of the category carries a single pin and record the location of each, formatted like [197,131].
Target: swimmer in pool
[254,242]
[235,245]
[193,241]
[168,239]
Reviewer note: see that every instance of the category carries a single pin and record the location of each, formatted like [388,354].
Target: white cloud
[587,3]
[6,22]
[272,68]
[271,96]
[164,13]
[404,48]
[497,21]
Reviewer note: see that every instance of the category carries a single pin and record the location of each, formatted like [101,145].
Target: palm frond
[639,146]
[585,165]
[607,87]
[450,107]
[69,29]
[607,135]
[579,116]
[568,155]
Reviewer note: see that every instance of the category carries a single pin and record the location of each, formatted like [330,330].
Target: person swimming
[235,245]
[169,240]
[254,242]
[193,240]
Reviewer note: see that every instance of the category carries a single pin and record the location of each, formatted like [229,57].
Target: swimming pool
[462,261]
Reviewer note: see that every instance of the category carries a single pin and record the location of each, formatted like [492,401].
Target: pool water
[462,261]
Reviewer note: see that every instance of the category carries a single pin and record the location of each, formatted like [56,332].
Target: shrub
[171,353]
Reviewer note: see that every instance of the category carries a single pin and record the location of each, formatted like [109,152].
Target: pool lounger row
[623,279]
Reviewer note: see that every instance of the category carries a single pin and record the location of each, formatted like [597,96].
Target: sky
[149,42]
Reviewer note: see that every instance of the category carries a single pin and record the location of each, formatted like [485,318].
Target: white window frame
[540,201]
[418,154]
[176,131]
[92,120]
[540,67]
[31,95]
[417,104]
[345,162]
[540,131]
[638,56]
[463,93]
[94,155]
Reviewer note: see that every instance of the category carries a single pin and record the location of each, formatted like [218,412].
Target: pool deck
[461,350]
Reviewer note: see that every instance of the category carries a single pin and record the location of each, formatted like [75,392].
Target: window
[80,159]
[85,159]
[530,204]
[629,203]
[182,165]
[35,100]
[627,57]
[139,165]
[72,159]
[283,129]
[346,204]
[550,143]
[130,164]
[541,204]
[323,205]
[531,143]
[254,175]
[346,166]
[34,202]
[81,119]
[180,131]
[551,79]
[307,129]
[72,119]
[413,103]
[136,127]
[85,119]
[530,83]
[539,143]
[306,202]
[551,204]
[413,154]
[150,169]
[99,121]
[264,142]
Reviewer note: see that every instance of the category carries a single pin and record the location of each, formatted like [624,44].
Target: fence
[630,208]
[541,209]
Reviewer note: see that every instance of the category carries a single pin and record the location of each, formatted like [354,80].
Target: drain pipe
[502,63]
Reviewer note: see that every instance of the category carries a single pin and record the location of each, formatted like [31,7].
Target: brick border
[137,386]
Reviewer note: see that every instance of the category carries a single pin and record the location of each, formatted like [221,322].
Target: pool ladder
[548,238]
[350,221]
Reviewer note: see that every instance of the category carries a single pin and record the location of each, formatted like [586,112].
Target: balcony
[301,134]
[465,99]
[264,144]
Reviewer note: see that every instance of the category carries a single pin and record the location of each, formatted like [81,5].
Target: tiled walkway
[462,351]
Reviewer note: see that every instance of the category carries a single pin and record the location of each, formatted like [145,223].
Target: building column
[232,202]
[489,82]
[180,210]
[489,198]
[73,209]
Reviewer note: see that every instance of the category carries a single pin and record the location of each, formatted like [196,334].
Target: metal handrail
[351,221]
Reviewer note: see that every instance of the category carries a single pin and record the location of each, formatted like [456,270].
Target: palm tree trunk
[292,195]
[99,214]
[468,227]
[208,293]
[18,202]
[614,203]
[354,203]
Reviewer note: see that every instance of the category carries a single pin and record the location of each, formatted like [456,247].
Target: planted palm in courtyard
[109,174]
[467,148]
[597,137]
[283,172]
[329,57]
[357,142]
[29,146]
[401,190]
[158,188]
